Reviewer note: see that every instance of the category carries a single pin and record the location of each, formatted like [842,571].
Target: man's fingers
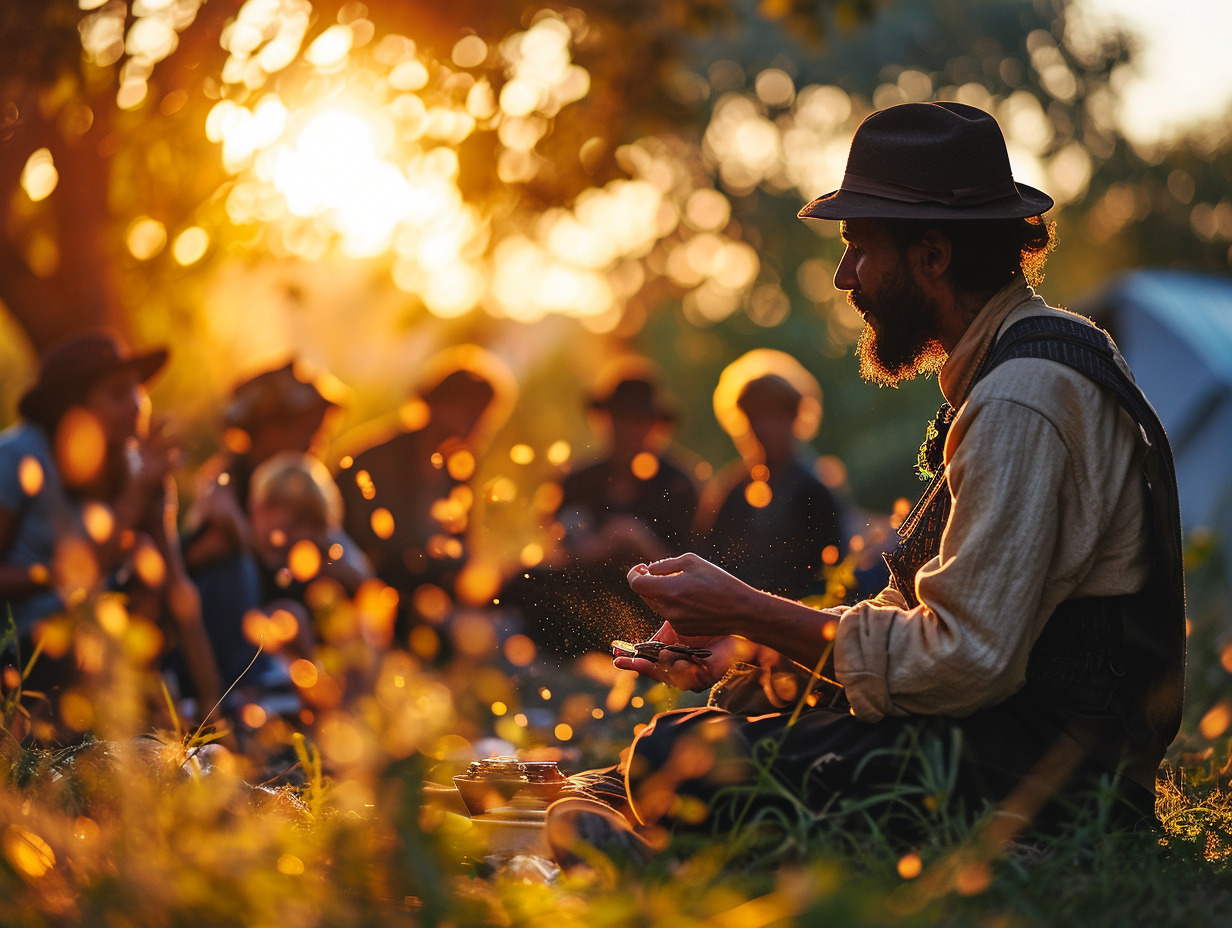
[668,565]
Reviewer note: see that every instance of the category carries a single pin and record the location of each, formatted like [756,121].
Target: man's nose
[845,274]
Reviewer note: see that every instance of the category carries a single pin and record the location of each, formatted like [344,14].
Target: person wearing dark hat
[1035,616]
[283,408]
[279,410]
[406,484]
[83,491]
[635,502]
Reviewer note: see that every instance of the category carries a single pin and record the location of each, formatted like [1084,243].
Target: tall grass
[159,824]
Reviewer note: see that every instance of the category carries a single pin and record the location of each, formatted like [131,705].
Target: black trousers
[709,768]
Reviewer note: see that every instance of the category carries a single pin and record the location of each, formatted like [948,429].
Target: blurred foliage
[170,214]
[325,823]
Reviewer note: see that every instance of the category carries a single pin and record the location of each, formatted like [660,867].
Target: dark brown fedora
[72,365]
[929,161]
[636,396]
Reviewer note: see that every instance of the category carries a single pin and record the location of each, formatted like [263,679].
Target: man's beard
[904,344]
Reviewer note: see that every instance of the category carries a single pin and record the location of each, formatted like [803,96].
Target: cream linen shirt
[1043,469]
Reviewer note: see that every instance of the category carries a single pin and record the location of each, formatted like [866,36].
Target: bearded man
[1034,622]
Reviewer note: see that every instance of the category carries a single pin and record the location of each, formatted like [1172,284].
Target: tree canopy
[340,180]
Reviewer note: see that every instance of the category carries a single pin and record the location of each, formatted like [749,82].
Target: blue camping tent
[1175,330]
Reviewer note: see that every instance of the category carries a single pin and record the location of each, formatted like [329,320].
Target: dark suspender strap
[1089,351]
[1151,657]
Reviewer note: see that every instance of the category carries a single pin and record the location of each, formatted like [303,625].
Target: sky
[1186,71]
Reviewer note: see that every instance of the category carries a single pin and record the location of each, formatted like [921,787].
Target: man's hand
[686,673]
[696,597]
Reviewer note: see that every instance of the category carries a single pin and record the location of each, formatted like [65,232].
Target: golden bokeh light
[758,494]
[81,447]
[98,521]
[973,879]
[1216,721]
[519,650]
[522,454]
[341,740]
[150,566]
[304,560]
[478,582]
[424,642]
[76,568]
[501,490]
[559,452]
[461,465]
[473,635]
[256,627]
[253,715]
[30,476]
[445,547]
[190,245]
[77,710]
[143,641]
[531,555]
[469,52]
[39,177]
[86,830]
[1225,657]
[55,637]
[910,866]
[563,731]
[431,602]
[111,616]
[376,605]
[91,650]
[547,497]
[27,852]
[645,465]
[283,625]
[303,673]
[329,50]
[382,523]
[146,237]
[238,441]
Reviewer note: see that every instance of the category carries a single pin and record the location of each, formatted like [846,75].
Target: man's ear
[931,253]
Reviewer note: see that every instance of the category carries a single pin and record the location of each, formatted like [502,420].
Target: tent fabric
[1175,330]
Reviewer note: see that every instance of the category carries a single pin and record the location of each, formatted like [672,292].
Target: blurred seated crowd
[279,552]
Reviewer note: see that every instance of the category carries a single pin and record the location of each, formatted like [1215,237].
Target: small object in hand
[650,650]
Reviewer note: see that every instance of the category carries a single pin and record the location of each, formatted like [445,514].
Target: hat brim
[146,365]
[655,411]
[845,204]
[37,398]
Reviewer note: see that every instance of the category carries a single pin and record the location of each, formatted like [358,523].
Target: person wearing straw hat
[1035,614]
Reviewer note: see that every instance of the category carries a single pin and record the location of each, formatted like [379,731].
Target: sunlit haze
[1184,72]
